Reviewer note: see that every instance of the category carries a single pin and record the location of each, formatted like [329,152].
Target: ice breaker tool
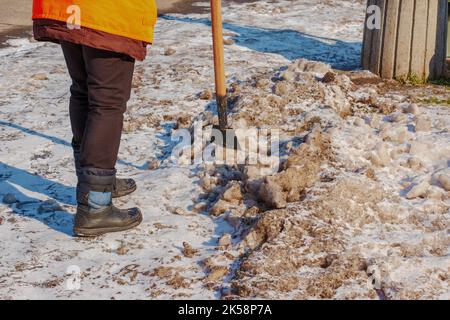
[219,64]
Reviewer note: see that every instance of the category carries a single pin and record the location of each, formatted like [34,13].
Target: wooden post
[448,32]
[411,40]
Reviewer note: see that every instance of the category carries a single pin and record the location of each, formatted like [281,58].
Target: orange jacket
[134,19]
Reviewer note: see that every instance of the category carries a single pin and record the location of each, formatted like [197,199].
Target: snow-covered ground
[375,157]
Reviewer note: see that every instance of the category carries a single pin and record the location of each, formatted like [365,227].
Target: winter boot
[96,215]
[122,187]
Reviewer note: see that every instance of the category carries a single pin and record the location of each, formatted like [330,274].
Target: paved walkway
[14,14]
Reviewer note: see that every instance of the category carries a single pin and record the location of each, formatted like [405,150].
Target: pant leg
[79,99]
[109,78]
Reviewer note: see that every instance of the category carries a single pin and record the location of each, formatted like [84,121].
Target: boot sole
[87,233]
[124,193]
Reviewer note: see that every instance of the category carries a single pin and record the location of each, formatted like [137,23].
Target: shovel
[219,69]
[219,62]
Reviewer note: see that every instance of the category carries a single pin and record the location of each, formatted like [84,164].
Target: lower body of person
[101,87]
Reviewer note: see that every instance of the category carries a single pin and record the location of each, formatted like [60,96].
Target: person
[100,41]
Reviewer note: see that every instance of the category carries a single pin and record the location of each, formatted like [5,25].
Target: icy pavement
[173,254]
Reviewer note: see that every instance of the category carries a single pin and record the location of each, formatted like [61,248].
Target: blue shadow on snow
[12,178]
[290,44]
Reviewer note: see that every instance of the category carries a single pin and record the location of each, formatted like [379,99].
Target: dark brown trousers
[101,87]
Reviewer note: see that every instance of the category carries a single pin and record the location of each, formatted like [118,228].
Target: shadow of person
[290,44]
[15,181]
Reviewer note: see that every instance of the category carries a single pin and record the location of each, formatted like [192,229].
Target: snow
[377,159]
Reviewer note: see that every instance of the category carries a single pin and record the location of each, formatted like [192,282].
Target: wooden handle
[219,61]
